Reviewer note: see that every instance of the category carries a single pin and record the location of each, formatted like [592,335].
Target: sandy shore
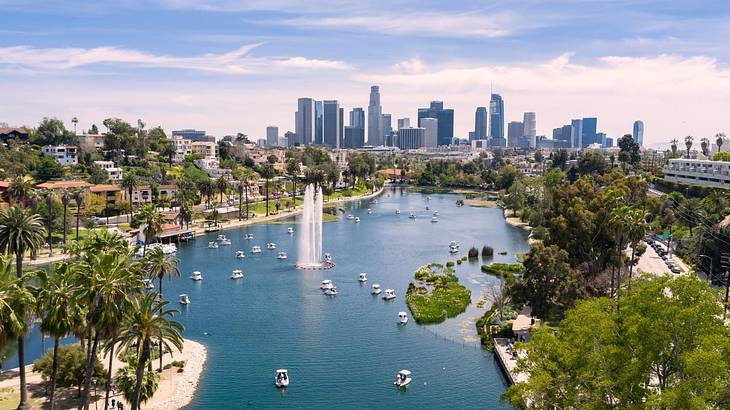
[175,389]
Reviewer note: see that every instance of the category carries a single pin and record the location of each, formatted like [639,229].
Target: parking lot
[656,261]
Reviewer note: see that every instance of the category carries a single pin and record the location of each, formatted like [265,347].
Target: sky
[229,66]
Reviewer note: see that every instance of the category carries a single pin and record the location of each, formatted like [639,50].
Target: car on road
[675,269]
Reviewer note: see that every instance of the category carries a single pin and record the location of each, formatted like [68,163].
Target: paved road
[651,262]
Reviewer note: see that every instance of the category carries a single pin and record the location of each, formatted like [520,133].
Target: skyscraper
[410,138]
[387,125]
[430,132]
[404,122]
[515,130]
[375,118]
[496,116]
[341,134]
[318,122]
[304,121]
[576,133]
[480,123]
[445,119]
[529,122]
[357,118]
[638,133]
[589,134]
[354,136]
[331,129]
[272,135]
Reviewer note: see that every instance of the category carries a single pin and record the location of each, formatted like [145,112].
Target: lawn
[436,294]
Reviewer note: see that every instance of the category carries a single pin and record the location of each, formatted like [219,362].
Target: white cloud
[429,24]
[238,61]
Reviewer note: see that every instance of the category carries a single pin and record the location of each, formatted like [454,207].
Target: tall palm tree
[20,189]
[619,221]
[106,281]
[58,309]
[704,145]
[74,121]
[152,220]
[674,146]
[719,139]
[240,188]
[206,188]
[78,196]
[222,185]
[158,265]
[267,172]
[15,299]
[293,167]
[248,178]
[186,213]
[636,228]
[147,319]
[66,197]
[688,140]
[21,231]
[130,182]
[50,200]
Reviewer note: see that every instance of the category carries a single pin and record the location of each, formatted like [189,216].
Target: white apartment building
[700,172]
[211,166]
[115,173]
[205,149]
[64,154]
[183,148]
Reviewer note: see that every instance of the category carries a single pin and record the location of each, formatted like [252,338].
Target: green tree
[65,367]
[152,220]
[293,168]
[145,320]
[222,186]
[130,182]
[688,140]
[127,383]
[719,140]
[20,189]
[66,197]
[21,231]
[158,265]
[206,188]
[78,196]
[267,172]
[52,131]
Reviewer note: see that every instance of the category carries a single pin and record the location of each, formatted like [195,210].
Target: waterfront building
[304,121]
[698,172]
[375,118]
[479,145]
[480,124]
[430,133]
[272,135]
[529,121]
[63,154]
[445,119]
[638,132]
[332,127]
[411,138]
[496,117]
[515,131]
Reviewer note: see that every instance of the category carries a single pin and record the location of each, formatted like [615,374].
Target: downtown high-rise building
[430,132]
[387,124]
[638,132]
[576,133]
[562,136]
[411,138]
[304,122]
[272,136]
[496,117]
[332,126]
[589,134]
[404,122]
[529,122]
[445,119]
[318,122]
[357,118]
[515,131]
[480,124]
[354,136]
[375,118]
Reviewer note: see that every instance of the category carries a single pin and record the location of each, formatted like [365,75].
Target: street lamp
[710,276]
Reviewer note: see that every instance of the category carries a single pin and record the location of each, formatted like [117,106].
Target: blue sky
[229,66]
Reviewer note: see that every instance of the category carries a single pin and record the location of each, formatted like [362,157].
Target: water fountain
[310,235]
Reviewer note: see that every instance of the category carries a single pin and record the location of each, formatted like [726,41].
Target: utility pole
[725,263]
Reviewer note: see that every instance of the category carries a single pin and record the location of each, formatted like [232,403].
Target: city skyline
[183,64]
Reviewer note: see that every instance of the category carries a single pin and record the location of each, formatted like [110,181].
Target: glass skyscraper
[496,116]
[480,124]
[638,133]
[445,119]
[318,122]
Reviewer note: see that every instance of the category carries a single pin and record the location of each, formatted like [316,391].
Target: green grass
[436,295]
[500,269]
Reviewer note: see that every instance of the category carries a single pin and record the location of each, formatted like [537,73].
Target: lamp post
[710,275]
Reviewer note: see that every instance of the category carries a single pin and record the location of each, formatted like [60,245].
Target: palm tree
[222,186]
[20,189]
[619,221]
[248,177]
[207,188]
[704,145]
[66,197]
[130,182]
[74,121]
[147,319]
[15,299]
[674,146]
[293,167]
[20,231]
[240,188]
[50,199]
[186,213]
[152,220]
[267,172]
[688,140]
[636,227]
[157,265]
[58,309]
[719,139]
[78,196]
[106,280]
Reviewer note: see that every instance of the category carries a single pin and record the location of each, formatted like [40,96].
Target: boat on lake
[237,274]
[434,219]
[148,284]
[212,245]
[363,277]
[412,216]
[281,379]
[376,289]
[326,284]
[196,276]
[256,249]
[350,217]
[389,294]
[223,240]
[248,236]
[397,211]
[184,299]
[402,318]
[271,245]
[403,378]
[240,254]
[357,219]
[331,292]
[290,230]
[281,255]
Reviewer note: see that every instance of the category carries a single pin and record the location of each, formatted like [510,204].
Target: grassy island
[436,294]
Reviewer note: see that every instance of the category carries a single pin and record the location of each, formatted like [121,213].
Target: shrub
[487,251]
[540,233]
[71,367]
[459,261]
[473,253]
[449,264]
[447,297]
[126,380]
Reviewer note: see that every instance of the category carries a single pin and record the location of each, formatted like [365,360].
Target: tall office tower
[589,135]
[515,131]
[272,135]
[410,138]
[304,121]
[496,117]
[291,139]
[576,133]
[480,124]
[638,133]
[404,122]
[318,122]
[331,129]
[375,118]
[601,139]
[357,118]
[445,119]
[562,136]
[354,137]
[341,136]
[529,122]
[387,125]
[430,132]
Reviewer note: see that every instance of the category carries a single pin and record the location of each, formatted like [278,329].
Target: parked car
[675,269]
